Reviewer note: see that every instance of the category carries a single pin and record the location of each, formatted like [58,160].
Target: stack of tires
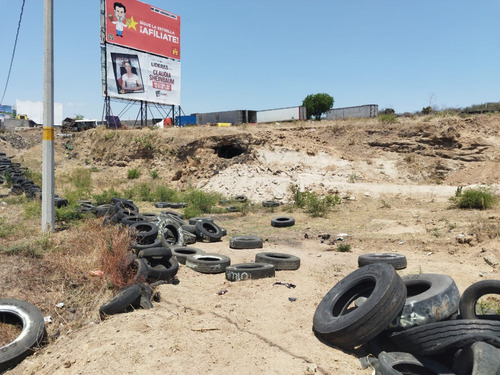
[21,184]
[418,322]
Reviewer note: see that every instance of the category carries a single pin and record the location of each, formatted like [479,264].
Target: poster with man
[134,24]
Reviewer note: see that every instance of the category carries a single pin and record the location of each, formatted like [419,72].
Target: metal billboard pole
[48,120]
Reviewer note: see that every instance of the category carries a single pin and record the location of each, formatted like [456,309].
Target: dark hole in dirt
[228,151]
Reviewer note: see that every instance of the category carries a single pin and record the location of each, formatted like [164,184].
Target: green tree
[79,117]
[317,104]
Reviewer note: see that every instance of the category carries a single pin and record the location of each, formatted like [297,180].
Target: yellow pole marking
[48,134]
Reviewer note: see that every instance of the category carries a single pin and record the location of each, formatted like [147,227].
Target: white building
[34,111]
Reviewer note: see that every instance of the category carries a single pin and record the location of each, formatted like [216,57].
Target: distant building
[34,111]
[360,111]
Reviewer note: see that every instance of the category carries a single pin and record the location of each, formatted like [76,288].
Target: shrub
[133,173]
[344,248]
[204,202]
[165,194]
[388,119]
[154,174]
[480,199]
[314,204]
[105,196]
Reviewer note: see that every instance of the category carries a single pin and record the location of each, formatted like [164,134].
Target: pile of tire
[417,323]
[21,184]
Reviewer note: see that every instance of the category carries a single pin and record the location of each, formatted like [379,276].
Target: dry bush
[97,247]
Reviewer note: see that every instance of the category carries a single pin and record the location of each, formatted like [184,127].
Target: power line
[13,52]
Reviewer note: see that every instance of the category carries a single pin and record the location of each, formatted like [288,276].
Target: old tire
[472,294]
[138,247]
[429,298]
[182,252]
[282,221]
[342,325]
[270,204]
[281,261]
[438,337]
[163,271]
[145,232]
[246,271]
[156,255]
[398,363]
[32,334]
[208,231]
[246,242]
[398,261]
[479,358]
[208,263]
[127,298]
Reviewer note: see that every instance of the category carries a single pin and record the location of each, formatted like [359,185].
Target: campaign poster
[137,25]
[136,75]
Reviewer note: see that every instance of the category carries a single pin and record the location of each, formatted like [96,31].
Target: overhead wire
[13,52]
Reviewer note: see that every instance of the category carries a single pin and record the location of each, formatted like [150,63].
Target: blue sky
[271,54]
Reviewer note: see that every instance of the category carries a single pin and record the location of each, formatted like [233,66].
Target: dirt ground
[395,181]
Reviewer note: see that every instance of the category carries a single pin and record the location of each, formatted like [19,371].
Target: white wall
[34,111]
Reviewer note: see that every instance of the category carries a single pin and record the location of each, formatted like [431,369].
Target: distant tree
[426,110]
[388,111]
[79,117]
[317,104]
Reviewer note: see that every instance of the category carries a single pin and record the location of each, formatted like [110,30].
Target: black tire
[429,298]
[270,203]
[398,363]
[146,232]
[246,242]
[208,263]
[281,261]
[398,261]
[472,294]
[156,255]
[129,220]
[479,358]
[282,221]
[342,325]
[438,337]
[172,234]
[140,268]
[125,205]
[164,271]
[245,271]
[127,298]
[182,252]
[208,231]
[193,220]
[31,336]
[138,247]
[189,228]
[150,216]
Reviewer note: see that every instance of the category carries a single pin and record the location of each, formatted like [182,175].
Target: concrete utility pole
[48,120]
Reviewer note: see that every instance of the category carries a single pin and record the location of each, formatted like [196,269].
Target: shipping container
[235,117]
[360,111]
[282,114]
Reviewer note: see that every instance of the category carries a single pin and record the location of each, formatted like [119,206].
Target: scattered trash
[429,253]
[60,305]
[47,319]
[97,273]
[292,299]
[401,242]
[222,292]
[288,285]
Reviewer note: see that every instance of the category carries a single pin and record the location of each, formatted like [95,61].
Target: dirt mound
[396,180]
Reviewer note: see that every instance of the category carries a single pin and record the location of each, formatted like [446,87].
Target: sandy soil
[395,180]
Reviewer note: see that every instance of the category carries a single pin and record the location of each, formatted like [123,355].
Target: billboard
[141,52]
[140,76]
[131,23]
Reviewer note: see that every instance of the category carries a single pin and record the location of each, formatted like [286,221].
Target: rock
[491,260]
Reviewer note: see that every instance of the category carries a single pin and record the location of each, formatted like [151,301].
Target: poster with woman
[127,72]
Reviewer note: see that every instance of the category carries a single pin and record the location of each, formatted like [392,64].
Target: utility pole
[48,120]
